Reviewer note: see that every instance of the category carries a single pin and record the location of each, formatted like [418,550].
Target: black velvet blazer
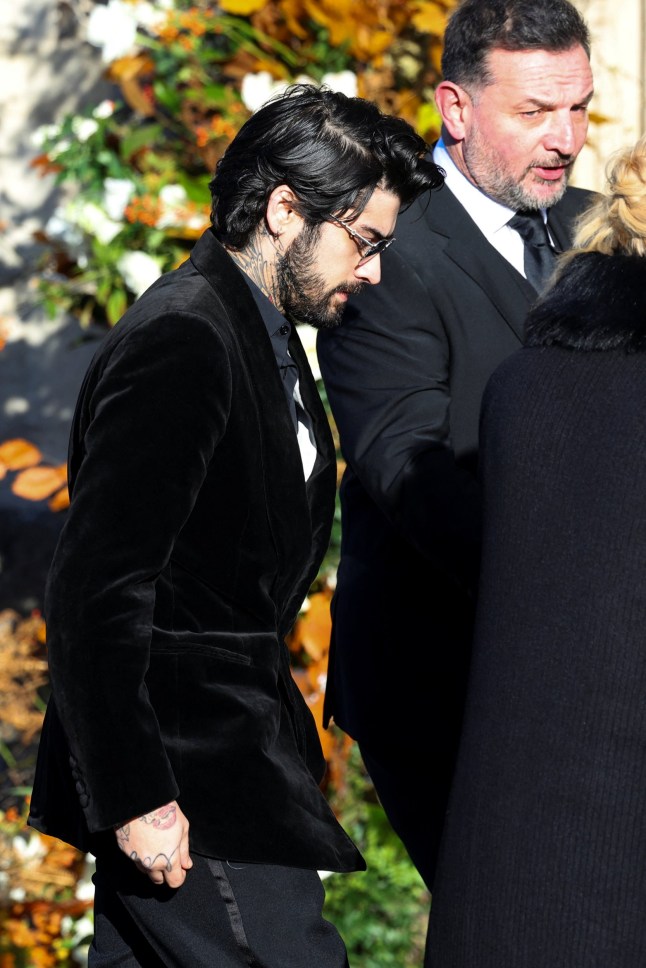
[190,543]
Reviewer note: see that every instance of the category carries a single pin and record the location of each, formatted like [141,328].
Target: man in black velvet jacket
[405,375]
[202,476]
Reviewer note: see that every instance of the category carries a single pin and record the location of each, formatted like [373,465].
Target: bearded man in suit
[405,375]
[177,747]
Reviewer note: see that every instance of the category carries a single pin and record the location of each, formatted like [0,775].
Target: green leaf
[195,186]
[138,138]
[171,99]
[116,306]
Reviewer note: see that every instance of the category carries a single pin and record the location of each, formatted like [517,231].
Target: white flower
[84,128]
[257,89]
[139,270]
[84,890]
[80,929]
[59,228]
[177,210]
[172,198]
[46,132]
[307,335]
[66,221]
[117,192]
[345,82]
[150,15]
[104,110]
[29,848]
[173,195]
[77,931]
[113,28]
[93,220]
[59,148]
[303,79]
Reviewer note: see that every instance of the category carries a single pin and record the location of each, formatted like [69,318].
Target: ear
[282,218]
[455,106]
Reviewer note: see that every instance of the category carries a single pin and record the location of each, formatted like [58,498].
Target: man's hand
[157,843]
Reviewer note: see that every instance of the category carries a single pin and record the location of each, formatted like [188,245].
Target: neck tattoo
[253,261]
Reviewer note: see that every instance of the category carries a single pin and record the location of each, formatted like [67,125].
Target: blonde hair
[616,223]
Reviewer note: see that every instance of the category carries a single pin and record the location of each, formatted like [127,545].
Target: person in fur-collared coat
[544,858]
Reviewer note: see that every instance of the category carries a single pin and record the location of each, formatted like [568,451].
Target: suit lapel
[501,284]
[321,484]
[286,496]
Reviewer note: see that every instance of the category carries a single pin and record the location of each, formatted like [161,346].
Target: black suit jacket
[189,546]
[405,376]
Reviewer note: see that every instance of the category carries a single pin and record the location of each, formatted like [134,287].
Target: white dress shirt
[490,216]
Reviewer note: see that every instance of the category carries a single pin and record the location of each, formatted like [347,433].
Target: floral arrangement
[186,76]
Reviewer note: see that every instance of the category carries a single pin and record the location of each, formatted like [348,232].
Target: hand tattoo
[163,818]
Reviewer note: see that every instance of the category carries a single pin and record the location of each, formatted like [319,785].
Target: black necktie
[540,257]
[289,373]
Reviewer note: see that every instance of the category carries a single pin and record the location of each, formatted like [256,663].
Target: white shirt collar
[490,216]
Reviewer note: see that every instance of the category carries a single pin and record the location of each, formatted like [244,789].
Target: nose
[561,135]
[370,271]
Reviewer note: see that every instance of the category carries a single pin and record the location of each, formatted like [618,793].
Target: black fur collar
[598,303]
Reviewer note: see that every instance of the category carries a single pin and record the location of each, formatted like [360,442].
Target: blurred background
[112,117]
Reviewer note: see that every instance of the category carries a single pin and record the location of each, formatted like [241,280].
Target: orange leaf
[314,626]
[137,97]
[60,500]
[37,483]
[129,67]
[16,454]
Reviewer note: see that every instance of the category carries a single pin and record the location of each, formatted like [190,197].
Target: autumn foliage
[33,479]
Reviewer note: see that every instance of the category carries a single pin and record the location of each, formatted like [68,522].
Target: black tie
[539,256]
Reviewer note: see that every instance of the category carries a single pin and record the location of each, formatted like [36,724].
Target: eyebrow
[549,105]
[373,231]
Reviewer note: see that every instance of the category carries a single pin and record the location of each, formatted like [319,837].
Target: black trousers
[225,915]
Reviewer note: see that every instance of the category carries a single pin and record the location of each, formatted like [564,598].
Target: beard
[302,290]
[486,170]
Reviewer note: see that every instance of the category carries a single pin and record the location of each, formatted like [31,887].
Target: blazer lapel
[501,284]
[287,501]
[321,484]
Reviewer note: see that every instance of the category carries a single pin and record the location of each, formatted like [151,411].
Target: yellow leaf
[16,454]
[242,7]
[292,10]
[37,483]
[429,19]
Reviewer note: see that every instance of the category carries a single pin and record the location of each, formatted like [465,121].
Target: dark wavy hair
[331,150]
[479,26]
